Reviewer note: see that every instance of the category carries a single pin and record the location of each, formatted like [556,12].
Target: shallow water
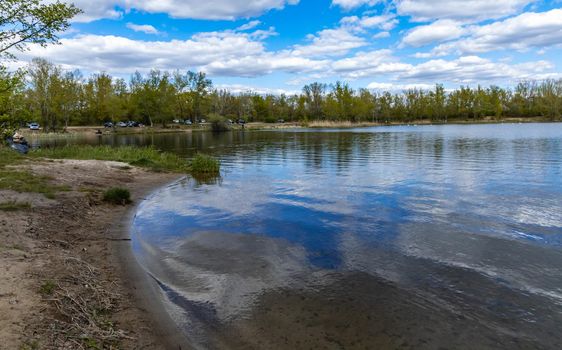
[402,237]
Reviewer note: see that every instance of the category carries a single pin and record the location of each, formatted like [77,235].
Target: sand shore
[69,279]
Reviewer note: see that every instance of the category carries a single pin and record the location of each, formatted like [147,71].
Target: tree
[24,22]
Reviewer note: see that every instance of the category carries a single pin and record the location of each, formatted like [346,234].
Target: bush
[117,195]
[205,164]
[218,123]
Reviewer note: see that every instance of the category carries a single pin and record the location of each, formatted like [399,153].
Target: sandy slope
[38,244]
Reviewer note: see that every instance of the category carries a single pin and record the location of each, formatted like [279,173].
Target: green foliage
[47,288]
[26,22]
[57,98]
[146,157]
[117,195]
[205,164]
[14,206]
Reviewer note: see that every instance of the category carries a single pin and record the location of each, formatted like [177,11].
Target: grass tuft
[118,196]
[47,288]
[14,206]
[205,164]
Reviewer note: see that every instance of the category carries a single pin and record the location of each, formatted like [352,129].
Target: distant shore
[317,124]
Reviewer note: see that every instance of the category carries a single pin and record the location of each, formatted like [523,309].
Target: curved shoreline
[144,290]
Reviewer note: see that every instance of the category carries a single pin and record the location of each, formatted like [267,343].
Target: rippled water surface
[401,237]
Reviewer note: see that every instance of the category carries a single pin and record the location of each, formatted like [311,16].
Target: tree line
[57,98]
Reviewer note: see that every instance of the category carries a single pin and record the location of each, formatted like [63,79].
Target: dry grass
[82,310]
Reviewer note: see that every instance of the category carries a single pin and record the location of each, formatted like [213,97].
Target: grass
[47,288]
[22,180]
[14,206]
[203,164]
[117,195]
[145,157]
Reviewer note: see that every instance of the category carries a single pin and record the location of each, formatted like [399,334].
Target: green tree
[24,22]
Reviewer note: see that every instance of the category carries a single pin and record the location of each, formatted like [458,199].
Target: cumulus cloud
[218,53]
[376,86]
[144,28]
[473,69]
[528,30]
[441,30]
[352,4]
[329,42]
[465,10]
[359,24]
[210,9]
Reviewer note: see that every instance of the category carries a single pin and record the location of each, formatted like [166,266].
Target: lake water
[421,237]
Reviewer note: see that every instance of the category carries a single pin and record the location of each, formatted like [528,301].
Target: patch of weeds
[117,195]
[30,345]
[14,206]
[47,288]
[24,181]
[205,164]
[91,344]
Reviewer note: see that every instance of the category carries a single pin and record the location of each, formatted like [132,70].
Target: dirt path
[61,285]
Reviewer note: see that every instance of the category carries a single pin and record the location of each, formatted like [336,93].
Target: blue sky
[279,45]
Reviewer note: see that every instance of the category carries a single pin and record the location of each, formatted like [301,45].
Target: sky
[277,46]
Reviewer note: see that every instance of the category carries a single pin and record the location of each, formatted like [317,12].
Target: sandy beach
[67,267]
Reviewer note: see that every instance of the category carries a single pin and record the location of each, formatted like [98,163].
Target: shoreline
[83,250]
[144,290]
[262,126]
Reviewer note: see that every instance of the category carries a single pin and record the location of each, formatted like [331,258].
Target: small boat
[18,144]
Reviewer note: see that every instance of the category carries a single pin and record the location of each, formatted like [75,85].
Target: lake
[413,237]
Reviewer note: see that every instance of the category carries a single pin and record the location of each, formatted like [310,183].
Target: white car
[34,126]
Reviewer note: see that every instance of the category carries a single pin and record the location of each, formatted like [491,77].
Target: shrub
[117,195]
[205,164]
[218,123]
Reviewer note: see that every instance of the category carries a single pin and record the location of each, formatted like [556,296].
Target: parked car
[203,121]
[34,126]
[122,124]
[132,124]
[241,121]
[176,121]
[108,125]
[281,121]
[188,122]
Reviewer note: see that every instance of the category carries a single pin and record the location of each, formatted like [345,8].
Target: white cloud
[241,88]
[249,25]
[473,69]
[441,30]
[144,28]
[381,35]
[351,4]
[465,10]
[398,87]
[329,42]
[385,22]
[210,9]
[520,33]
[218,53]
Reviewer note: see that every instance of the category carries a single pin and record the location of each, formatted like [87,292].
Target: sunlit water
[421,237]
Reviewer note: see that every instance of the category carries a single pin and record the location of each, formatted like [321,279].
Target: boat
[18,143]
